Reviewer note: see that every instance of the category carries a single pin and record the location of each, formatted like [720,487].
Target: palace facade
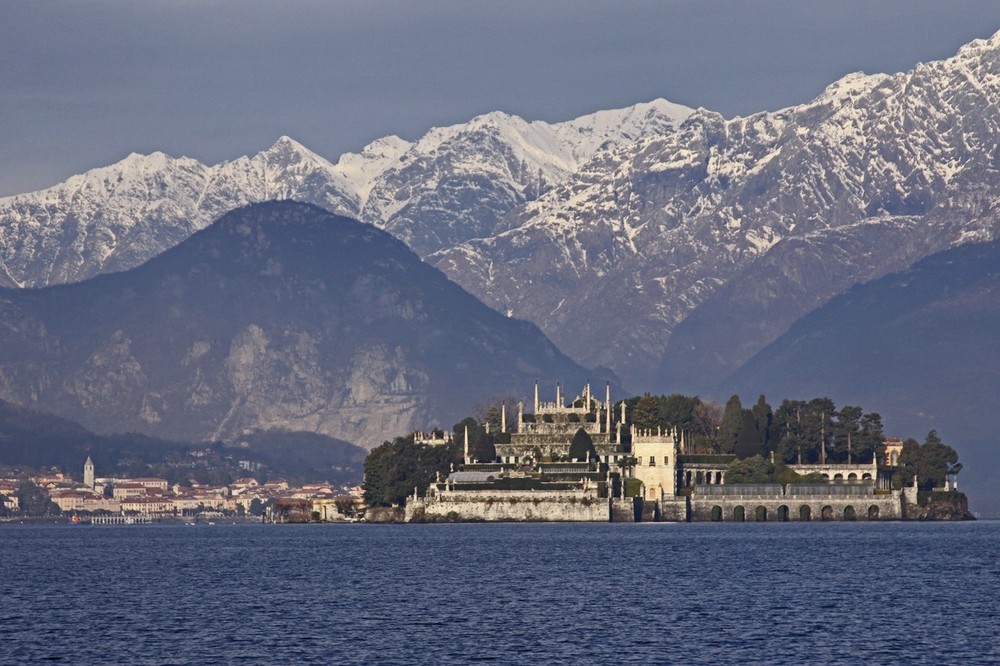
[578,460]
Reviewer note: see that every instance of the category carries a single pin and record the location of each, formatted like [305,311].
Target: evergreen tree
[732,419]
[481,443]
[846,443]
[34,502]
[763,420]
[393,469]
[930,462]
[581,446]
[871,439]
[646,413]
[748,438]
[678,410]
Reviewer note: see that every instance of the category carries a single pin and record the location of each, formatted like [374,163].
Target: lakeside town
[121,499]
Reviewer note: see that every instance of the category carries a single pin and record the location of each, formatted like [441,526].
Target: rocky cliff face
[767,215]
[279,315]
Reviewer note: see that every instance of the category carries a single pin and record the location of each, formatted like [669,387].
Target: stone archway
[852,477]
[866,476]
[873,512]
[699,478]
[838,478]
[805,513]
[760,514]
[826,513]
[716,513]
[739,514]
[850,513]
[783,513]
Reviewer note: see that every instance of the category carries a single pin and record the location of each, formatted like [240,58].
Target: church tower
[88,473]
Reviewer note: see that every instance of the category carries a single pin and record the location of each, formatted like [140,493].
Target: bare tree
[705,422]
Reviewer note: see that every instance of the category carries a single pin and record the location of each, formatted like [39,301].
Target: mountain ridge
[278,315]
[917,345]
[115,217]
[664,222]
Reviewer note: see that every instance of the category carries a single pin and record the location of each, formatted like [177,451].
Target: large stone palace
[542,473]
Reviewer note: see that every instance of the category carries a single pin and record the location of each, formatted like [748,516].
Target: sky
[83,84]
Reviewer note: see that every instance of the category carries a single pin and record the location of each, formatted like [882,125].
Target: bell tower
[88,473]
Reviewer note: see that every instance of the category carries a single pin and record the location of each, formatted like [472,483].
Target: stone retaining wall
[509,506]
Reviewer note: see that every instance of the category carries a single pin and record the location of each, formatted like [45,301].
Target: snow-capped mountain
[773,214]
[119,216]
[116,217]
[645,237]
[456,183]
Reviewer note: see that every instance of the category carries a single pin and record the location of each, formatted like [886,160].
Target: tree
[345,505]
[748,439]
[679,410]
[34,502]
[787,426]
[481,443]
[930,463]
[706,418]
[256,507]
[871,439]
[493,419]
[846,434]
[749,470]
[763,420]
[646,413]
[732,419]
[395,468]
[582,446]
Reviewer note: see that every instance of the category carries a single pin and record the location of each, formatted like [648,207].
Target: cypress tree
[581,445]
[732,418]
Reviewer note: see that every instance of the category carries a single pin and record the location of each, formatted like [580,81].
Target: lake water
[511,593]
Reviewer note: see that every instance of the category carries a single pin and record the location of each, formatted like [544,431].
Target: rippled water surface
[654,593]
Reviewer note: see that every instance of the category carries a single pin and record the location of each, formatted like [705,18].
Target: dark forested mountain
[279,315]
[918,346]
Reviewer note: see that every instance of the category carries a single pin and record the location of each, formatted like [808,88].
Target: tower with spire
[88,473]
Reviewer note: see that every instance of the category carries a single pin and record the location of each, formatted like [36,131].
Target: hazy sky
[82,84]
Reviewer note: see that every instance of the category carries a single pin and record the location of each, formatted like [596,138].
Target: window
[666,460]
[652,461]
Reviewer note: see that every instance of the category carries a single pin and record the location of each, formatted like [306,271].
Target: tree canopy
[930,462]
[393,469]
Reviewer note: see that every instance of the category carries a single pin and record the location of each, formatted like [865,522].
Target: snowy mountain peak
[361,169]
[979,46]
[287,148]
[451,184]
